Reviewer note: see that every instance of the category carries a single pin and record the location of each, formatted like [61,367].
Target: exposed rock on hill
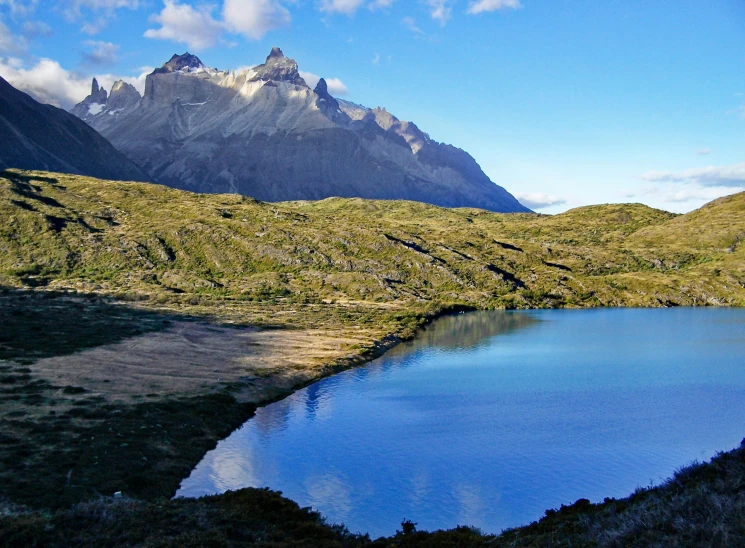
[263,132]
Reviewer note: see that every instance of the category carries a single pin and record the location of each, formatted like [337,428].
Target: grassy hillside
[92,268]
[154,243]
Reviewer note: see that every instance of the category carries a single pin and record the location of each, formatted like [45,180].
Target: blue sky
[567,101]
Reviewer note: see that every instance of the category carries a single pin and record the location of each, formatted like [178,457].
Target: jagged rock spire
[322,88]
[276,53]
[98,94]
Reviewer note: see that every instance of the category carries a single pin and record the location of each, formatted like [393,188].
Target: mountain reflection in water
[489,418]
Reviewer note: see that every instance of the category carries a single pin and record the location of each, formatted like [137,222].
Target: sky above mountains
[562,102]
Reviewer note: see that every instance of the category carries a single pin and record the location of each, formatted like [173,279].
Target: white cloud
[380,4]
[711,176]
[680,197]
[48,82]
[440,10]
[100,53]
[539,200]
[254,18]
[347,7]
[376,59]
[481,6]
[703,152]
[335,86]
[185,24]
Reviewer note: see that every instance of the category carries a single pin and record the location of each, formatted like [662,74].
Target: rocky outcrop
[93,104]
[123,95]
[263,132]
[43,137]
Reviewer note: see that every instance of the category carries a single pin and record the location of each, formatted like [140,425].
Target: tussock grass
[154,244]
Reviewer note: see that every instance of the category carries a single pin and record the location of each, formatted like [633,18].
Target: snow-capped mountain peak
[186,63]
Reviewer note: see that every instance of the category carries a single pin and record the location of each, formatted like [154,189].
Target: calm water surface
[489,418]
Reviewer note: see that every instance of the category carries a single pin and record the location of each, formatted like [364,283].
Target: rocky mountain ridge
[263,132]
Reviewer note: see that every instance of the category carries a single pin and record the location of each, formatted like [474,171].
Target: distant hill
[38,136]
[263,132]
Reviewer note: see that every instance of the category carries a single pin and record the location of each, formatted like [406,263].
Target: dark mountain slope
[38,136]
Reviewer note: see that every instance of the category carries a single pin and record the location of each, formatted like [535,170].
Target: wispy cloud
[440,10]
[20,8]
[680,197]
[9,43]
[102,12]
[347,7]
[722,176]
[100,53]
[539,200]
[410,23]
[380,4]
[703,151]
[481,6]
[35,29]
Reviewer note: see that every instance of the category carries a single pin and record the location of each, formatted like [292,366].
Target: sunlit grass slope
[151,242]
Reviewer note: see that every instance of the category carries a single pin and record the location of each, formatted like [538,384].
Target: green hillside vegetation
[88,264]
[148,242]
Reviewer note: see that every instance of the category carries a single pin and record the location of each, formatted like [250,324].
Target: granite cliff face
[263,132]
[43,137]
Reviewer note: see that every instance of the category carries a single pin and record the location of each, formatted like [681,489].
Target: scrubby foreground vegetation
[96,276]
[702,505]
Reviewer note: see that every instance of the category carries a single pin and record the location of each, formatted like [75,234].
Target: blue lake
[489,418]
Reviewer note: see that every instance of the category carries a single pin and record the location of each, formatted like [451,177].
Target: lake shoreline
[311,415]
[334,276]
[218,415]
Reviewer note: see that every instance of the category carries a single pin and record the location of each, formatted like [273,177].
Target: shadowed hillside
[39,136]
